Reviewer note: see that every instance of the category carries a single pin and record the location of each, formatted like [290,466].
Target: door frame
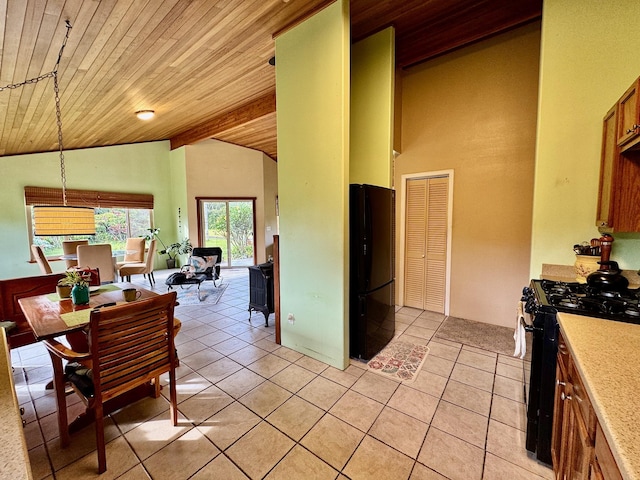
[403,219]
[199,202]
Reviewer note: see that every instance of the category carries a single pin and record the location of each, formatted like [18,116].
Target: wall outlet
[291,318]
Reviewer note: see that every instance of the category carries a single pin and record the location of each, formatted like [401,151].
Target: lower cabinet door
[581,454]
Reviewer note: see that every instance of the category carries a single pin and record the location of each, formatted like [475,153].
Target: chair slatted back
[131,344]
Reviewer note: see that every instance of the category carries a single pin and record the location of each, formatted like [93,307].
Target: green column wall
[372,93]
[312,84]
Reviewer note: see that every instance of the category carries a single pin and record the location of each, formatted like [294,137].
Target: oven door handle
[531,328]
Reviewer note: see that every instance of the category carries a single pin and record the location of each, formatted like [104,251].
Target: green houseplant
[73,285]
[173,249]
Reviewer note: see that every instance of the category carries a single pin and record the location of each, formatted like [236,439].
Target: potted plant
[173,249]
[64,286]
[74,285]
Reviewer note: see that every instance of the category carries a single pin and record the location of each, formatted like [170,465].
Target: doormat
[399,360]
[481,335]
[210,295]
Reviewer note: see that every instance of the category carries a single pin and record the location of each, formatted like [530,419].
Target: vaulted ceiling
[202,65]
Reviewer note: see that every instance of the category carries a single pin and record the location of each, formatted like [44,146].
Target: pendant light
[58,220]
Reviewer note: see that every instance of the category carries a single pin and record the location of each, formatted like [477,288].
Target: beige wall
[474,111]
[218,169]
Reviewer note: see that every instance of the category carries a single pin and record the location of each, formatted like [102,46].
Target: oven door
[542,383]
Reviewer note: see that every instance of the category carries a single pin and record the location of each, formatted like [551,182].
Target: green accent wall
[312,84]
[372,94]
[143,168]
[589,57]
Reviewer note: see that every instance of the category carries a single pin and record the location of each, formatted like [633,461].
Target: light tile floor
[250,408]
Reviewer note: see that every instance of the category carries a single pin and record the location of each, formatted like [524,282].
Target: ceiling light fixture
[145,114]
[58,220]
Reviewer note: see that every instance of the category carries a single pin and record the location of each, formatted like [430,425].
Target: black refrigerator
[371,284]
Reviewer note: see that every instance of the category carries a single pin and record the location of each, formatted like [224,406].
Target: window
[230,225]
[118,216]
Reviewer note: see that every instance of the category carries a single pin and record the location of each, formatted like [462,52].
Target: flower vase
[585,265]
[80,294]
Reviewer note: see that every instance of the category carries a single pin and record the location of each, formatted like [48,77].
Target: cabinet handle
[604,224]
[558,382]
[564,396]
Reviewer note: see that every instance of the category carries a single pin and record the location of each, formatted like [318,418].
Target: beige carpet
[209,295]
[399,360]
[482,335]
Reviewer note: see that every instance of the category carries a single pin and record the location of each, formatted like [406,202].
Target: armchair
[211,272]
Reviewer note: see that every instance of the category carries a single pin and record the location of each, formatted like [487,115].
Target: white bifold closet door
[426,243]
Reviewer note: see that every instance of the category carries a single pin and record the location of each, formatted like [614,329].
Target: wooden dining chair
[145,268]
[129,345]
[97,256]
[41,259]
[69,247]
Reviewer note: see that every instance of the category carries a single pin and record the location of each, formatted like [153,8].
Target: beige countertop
[607,355]
[14,459]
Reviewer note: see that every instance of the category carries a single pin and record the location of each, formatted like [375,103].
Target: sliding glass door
[229,224]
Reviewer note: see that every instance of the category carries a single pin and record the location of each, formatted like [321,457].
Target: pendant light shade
[63,220]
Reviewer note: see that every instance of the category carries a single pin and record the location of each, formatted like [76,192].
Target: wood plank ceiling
[202,65]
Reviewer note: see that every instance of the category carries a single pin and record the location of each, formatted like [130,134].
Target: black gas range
[581,299]
[543,299]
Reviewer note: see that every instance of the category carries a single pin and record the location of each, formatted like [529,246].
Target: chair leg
[61,399]
[173,397]
[100,444]
[152,279]
[156,387]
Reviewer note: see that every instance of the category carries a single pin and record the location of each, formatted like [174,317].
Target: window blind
[87,198]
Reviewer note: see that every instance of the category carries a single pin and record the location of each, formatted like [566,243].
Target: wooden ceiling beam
[244,114]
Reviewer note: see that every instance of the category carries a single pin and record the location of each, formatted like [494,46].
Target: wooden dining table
[49,316]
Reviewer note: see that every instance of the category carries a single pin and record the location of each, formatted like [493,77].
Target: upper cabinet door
[629,114]
[608,172]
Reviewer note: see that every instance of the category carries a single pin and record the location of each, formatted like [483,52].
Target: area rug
[209,294]
[481,335]
[399,360]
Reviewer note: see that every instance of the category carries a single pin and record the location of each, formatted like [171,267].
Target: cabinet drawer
[604,457]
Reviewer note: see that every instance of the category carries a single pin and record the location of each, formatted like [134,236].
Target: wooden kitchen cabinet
[619,190]
[609,180]
[578,448]
[560,436]
[571,445]
[629,115]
